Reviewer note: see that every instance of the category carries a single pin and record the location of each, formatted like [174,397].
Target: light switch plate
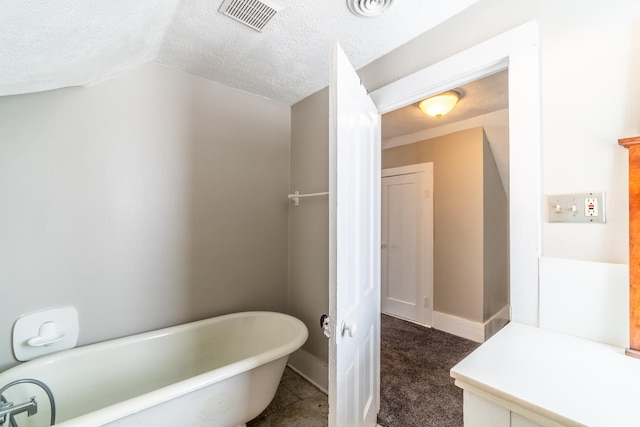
[575,208]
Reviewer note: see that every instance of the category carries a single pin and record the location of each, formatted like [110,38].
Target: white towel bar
[296,196]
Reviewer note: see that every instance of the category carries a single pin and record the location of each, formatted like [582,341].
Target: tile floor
[296,403]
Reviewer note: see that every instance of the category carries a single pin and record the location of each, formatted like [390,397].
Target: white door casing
[354,249]
[407,243]
[519,50]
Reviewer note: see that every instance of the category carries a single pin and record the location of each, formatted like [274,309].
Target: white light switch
[584,207]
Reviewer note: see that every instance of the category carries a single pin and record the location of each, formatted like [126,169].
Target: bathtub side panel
[231,402]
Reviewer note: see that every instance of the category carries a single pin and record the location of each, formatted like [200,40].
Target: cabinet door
[479,412]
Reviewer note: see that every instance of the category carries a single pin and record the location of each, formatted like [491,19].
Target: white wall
[146,200]
[589,98]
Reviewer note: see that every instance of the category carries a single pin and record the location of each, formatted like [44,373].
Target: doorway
[468,153]
[468,180]
[517,49]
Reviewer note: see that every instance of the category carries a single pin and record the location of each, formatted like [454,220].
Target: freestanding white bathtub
[218,372]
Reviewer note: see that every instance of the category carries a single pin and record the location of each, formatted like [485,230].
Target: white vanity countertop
[558,375]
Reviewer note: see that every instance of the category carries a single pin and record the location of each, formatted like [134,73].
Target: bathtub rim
[163,394]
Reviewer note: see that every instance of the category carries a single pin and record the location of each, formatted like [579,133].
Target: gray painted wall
[309,222]
[496,236]
[143,201]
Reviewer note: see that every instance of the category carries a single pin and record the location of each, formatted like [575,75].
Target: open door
[354,249]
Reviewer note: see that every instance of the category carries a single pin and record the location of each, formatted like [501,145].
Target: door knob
[351,328]
[325,324]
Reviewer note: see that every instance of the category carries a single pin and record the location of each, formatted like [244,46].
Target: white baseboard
[316,371]
[458,326]
[311,368]
[465,328]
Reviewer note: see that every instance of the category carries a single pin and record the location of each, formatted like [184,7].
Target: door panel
[354,246]
[402,242]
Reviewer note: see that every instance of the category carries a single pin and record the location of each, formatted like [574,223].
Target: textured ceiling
[48,45]
[52,44]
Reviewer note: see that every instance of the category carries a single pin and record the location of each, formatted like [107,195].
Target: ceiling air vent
[254,13]
[368,8]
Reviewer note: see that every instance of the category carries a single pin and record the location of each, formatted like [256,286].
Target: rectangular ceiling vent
[254,13]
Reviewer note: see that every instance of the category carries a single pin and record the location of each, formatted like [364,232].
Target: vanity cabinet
[525,376]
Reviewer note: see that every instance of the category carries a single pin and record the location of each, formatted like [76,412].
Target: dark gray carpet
[415,387]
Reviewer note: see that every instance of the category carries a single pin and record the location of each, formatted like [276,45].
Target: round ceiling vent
[368,8]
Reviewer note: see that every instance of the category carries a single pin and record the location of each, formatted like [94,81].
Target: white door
[354,249]
[407,243]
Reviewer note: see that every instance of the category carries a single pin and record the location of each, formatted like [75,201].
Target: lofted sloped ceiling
[52,44]
[49,45]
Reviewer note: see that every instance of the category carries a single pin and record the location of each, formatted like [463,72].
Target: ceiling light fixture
[368,8]
[439,105]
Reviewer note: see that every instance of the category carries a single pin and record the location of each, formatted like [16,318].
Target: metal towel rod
[296,196]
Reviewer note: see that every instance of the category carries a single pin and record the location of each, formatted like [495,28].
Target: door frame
[517,50]
[427,169]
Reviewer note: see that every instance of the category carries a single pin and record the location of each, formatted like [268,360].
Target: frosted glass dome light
[439,105]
